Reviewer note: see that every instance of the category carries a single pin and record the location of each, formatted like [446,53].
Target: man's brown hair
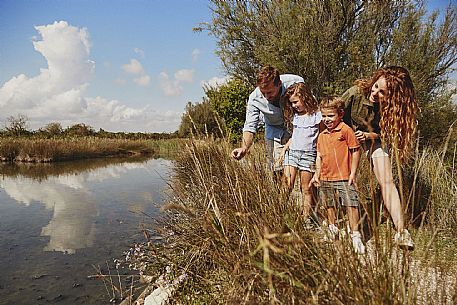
[267,75]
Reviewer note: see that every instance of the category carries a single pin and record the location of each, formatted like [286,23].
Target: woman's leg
[383,171]
[307,191]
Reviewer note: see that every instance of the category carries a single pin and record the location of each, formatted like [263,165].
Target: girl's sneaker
[403,240]
[357,243]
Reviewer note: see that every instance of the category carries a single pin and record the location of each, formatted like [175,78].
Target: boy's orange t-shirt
[334,147]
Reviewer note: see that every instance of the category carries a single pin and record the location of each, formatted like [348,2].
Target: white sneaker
[333,232]
[357,243]
[403,240]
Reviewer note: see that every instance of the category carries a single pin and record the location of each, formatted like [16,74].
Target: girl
[382,111]
[302,118]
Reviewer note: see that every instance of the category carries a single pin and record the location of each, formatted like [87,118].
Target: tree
[199,119]
[331,43]
[53,129]
[229,101]
[80,129]
[17,126]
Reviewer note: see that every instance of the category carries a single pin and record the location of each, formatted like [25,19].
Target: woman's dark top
[359,112]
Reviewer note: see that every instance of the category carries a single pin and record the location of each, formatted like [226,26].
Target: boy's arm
[315,180]
[356,153]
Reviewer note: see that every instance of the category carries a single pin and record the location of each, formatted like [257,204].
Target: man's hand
[239,153]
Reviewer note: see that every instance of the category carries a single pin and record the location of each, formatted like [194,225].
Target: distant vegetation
[53,143]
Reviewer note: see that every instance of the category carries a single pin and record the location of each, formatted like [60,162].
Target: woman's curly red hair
[398,108]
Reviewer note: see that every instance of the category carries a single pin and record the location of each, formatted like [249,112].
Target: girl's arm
[315,180]
[283,152]
[355,152]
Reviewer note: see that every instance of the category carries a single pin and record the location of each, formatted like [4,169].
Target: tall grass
[46,150]
[240,239]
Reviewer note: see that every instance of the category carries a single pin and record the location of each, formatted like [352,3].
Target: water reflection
[66,190]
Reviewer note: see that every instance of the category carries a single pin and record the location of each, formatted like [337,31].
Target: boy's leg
[353,216]
[331,215]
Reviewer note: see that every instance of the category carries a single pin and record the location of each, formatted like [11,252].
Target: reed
[240,239]
[47,150]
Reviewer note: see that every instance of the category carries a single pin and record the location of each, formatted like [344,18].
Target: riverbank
[38,150]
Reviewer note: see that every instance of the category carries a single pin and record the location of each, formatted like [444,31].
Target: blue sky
[117,65]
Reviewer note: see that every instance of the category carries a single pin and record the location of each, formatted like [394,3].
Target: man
[265,100]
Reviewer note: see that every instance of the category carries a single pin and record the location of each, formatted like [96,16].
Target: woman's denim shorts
[303,160]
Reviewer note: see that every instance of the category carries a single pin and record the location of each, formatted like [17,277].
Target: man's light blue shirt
[272,115]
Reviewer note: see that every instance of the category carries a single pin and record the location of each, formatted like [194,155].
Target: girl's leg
[307,192]
[383,172]
[291,175]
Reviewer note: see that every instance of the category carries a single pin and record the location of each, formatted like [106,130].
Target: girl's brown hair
[306,97]
[398,108]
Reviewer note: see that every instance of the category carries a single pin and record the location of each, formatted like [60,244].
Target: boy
[338,155]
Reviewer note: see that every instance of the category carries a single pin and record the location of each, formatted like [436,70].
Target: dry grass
[47,150]
[241,241]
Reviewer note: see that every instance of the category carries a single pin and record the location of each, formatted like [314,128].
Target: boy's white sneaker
[357,243]
[403,240]
[333,232]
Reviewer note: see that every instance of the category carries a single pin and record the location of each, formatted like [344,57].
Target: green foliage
[199,120]
[331,43]
[80,130]
[53,129]
[229,101]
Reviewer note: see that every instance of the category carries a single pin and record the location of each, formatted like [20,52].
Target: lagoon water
[58,221]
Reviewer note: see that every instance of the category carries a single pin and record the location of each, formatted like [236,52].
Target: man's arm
[240,152]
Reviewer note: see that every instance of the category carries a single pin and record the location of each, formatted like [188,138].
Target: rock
[159,296]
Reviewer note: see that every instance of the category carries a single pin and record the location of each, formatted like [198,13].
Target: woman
[382,111]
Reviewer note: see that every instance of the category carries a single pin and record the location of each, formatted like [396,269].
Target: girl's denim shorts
[303,160]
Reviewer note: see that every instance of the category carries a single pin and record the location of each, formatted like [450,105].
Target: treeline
[331,44]
[17,126]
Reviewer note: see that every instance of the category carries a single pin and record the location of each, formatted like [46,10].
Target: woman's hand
[361,136]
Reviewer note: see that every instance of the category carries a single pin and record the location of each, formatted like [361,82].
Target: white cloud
[195,54]
[58,92]
[134,67]
[168,86]
[214,82]
[143,80]
[139,52]
[172,87]
[185,76]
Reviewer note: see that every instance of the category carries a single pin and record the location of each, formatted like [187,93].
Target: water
[57,221]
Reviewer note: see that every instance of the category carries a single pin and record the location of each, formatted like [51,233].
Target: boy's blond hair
[332,102]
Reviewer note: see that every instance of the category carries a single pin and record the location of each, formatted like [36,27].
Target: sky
[129,65]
